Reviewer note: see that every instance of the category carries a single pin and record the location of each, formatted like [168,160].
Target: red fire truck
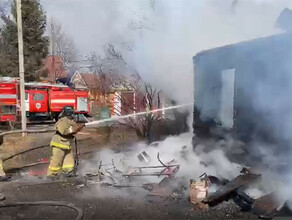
[8,99]
[42,100]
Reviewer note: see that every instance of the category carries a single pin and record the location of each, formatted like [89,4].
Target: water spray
[114,118]
[117,118]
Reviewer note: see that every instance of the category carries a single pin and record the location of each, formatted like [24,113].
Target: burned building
[246,88]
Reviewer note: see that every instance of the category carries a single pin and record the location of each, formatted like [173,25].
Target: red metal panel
[38,101]
[8,118]
[59,99]
[8,100]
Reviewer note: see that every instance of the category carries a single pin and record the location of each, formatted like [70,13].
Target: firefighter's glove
[80,127]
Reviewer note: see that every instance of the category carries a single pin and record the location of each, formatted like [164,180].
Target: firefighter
[62,160]
[2,173]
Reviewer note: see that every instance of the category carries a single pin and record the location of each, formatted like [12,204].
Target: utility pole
[21,64]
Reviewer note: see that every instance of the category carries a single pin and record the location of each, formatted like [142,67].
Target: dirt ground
[36,146]
[106,203]
[96,202]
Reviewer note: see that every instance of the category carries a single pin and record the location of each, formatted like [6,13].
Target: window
[8,109]
[26,96]
[39,97]
[227,98]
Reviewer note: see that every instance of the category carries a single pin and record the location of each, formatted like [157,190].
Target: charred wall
[263,76]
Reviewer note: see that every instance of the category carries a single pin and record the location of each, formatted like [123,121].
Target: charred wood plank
[268,205]
[228,191]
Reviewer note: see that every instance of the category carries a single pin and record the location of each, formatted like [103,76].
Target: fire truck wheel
[11,125]
[55,116]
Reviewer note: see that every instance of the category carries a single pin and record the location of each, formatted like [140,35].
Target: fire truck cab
[36,103]
[47,100]
[42,100]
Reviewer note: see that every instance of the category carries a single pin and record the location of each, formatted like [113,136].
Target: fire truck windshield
[39,97]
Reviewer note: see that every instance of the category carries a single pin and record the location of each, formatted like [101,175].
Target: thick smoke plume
[177,148]
[159,37]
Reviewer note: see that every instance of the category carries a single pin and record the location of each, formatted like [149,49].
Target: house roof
[227,56]
[90,79]
[105,82]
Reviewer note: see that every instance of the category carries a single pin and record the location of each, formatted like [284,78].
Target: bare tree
[152,4]
[113,73]
[112,53]
[61,44]
[103,79]
[108,70]
[147,98]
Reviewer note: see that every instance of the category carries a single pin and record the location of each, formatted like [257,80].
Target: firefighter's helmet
[67,111]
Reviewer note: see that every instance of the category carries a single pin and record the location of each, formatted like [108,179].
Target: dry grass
[89,140]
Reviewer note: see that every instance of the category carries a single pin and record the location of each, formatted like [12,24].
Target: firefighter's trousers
[2,173]
[61,161]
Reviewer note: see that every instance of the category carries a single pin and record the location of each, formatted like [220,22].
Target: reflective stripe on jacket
[62,146]
[60,142]
[66,128]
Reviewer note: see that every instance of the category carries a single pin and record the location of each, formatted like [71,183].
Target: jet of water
[117,118]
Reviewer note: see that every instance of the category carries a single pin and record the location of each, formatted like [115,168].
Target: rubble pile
[206,192]
[266,206]
[110,176]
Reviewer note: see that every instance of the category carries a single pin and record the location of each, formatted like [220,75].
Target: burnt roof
[229,54]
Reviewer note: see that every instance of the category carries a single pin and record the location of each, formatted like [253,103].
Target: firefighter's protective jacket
[65,129]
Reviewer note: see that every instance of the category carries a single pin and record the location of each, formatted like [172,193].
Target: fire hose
[38,147]
[27,131]
[25,151]
[46,203]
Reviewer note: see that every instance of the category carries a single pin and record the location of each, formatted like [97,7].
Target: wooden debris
[225,192]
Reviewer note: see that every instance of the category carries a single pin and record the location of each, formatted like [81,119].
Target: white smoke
[159,37]
[191,166]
